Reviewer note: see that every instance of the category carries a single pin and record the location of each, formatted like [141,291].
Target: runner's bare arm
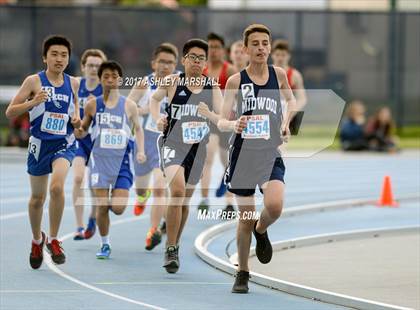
[75,120]
[20,104]
[287,94]
[300,92]
[137,92]
[231,90]
[89,114]
[158,96]
[138,131]
[203,109]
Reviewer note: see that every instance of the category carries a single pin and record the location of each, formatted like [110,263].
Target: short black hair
[195,43]
[216,37]
[165,48]
[111,65]
[55,40]
[282,45]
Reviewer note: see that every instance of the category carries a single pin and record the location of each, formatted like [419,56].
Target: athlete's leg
[185,209]
[273,204]
[78,193]
[142,184]
[244,231]
[39,186]
[60,168]
[224,157]
[142,193]
[159,198]
[175,176]
[101,197]
[212,147]
[119,199]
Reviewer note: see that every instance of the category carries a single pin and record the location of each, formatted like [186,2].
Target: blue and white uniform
[151,133]
[253,156]
[84,146]
[109,162]
[51,129]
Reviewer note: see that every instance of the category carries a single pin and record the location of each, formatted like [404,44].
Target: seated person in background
[352,135]
[19,131]
[379,131]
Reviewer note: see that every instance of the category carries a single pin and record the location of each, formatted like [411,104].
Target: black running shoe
[153,238]
[263,249]
[171,259]
[241,282]
[228,213]
[36,257]
[162,228]
[203,206]
[56,251]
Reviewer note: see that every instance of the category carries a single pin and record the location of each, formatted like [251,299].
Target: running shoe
[56,251]
[104,252]
[91,228]
[263,249]
[241,282]
[140,203]
[162,228]
[36,257]
[203,206]
[227,213]
[153,238]
[79,234]
[171,259]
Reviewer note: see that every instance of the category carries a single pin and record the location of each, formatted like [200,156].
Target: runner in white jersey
[164,61]
[90,87]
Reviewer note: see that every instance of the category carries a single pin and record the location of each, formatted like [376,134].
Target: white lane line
[24,199]
[163,283]
[25,213]
[61,273]
[39,291]
[204,239]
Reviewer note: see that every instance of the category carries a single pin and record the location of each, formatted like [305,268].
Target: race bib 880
[55,123]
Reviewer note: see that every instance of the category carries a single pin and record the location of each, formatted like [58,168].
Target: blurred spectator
[379,131]
[352,134]
[19,131]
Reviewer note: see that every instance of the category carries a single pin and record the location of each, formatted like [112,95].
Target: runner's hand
[240,124]
[141,157]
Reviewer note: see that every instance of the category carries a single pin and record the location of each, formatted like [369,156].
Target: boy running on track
[164,62]
[193,103]
[90,87]
[112,117]
[281,58]
[218,68]
[254,158]
[50,97]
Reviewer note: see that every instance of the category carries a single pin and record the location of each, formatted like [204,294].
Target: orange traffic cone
[387,199]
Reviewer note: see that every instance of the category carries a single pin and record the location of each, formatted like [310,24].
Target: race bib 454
[194,132]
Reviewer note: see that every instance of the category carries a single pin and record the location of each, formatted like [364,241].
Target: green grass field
[314,137]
